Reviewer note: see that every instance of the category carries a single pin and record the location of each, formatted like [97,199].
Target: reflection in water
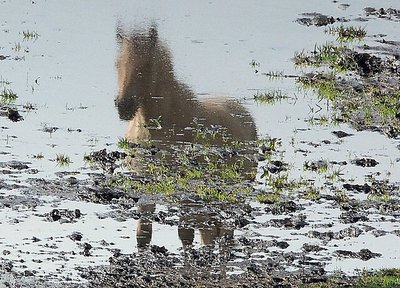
[160,107]
[144,230]
[212,232]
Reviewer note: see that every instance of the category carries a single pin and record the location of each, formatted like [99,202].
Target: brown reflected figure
[144,229]
[160,107]
[213,234]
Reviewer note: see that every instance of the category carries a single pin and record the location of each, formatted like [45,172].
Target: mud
[317,19]
[191,196]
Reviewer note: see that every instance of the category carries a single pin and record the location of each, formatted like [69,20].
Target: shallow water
[203,53]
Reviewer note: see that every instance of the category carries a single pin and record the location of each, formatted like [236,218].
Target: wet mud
[191,196]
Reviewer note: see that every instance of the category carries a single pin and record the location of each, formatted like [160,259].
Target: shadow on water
[160,107]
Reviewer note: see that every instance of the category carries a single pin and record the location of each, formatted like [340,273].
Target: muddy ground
[237,215]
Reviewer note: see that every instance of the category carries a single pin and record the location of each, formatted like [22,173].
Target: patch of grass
[254,64]
[347,34]
[386,278]
[324,120]
[7,96]
[210,171]
[312,193]
[341,197]
[335,174]
[274,74]
[324,85]
[123,143]
[208,192]
[63,160]
[231,171]
[30,35]
[268,198]
[17,47]
[156,169]
[365,96]
[270,97]
[166,185]
[269,143]
[194,174]
[337,57]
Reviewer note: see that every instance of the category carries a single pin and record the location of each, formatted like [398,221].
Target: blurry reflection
[144,230]
[212,232]
[213,235]
[160,107]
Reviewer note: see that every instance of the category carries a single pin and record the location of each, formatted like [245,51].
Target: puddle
[165,76]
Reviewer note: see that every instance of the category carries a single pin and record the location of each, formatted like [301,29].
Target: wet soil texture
[169,145]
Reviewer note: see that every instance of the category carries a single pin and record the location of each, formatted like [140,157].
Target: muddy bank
[361,82]
[191,195]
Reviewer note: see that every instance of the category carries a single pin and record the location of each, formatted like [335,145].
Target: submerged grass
[63,160]
[338,57]
[357,84]
[211,172]
[347,33]
[7,96]
[30,35]
[270,97]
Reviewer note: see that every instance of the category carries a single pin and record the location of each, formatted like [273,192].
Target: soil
[235,234]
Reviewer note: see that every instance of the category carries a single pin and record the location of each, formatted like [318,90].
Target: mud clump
[352,217]
[389,13]
[290,222]
[106,160]
[365,162]
[341,134]
[14,115]
[64,215]
[363,254]
[368,64]
[317,19]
